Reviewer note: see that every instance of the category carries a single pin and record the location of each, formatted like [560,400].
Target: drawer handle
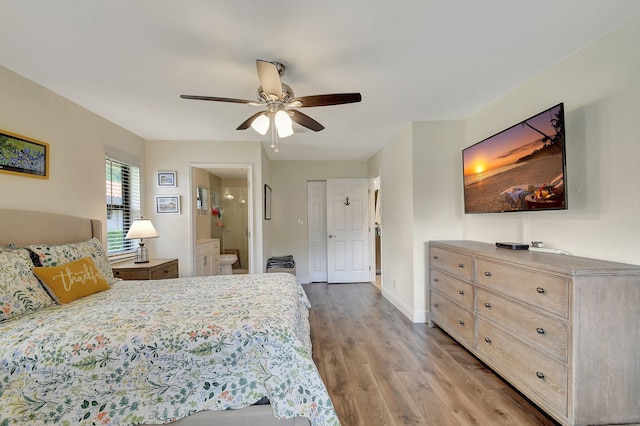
[166,271]
[540,290]
[540,330]
[486,339]
[461,292]
[460,265]
[435,257]
[461,322]
[487,305]
[435,305]
[487,274]
[435,280]
[540,375]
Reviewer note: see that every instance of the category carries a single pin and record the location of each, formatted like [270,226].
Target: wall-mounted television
[522,168]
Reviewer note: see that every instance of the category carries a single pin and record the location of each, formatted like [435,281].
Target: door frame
[372,227]
[323,248]
[250,208]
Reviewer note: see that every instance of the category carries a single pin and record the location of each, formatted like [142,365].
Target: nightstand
[155,269]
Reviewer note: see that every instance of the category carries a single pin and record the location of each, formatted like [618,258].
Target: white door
[317,230]
[347,230]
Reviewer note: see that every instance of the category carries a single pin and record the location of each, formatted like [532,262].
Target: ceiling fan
[279,100]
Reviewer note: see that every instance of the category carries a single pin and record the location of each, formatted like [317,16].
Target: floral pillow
[56,255]
[20,290]
[8,247]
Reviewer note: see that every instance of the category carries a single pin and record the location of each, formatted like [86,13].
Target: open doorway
[377,234]
[224,214]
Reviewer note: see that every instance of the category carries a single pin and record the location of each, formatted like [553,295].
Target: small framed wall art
[23,156]
[168,204]
[167,179]
[267,202]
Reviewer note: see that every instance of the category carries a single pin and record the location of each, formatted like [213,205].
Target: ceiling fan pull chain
[274,135]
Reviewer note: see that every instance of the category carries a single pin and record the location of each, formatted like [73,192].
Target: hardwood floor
[381,369]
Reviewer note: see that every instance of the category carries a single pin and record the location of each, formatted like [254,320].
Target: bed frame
[24,227]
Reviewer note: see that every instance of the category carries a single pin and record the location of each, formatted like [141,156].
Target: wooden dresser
[155,269]
[563,330]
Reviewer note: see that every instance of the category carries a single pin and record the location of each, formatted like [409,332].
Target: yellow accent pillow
[73,280]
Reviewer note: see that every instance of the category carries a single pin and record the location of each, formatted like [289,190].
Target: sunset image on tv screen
[521,168]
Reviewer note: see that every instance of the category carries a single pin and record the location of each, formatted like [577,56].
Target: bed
[194,351]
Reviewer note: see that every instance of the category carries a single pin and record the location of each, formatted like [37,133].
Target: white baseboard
[407,311]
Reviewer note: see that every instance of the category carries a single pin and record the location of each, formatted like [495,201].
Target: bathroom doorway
[377,234]
[228,210]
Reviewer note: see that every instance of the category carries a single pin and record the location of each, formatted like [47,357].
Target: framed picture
[168,204]
[23,156]
[167,179]
[267,202]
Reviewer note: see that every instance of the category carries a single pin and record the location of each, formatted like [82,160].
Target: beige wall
[394,164]
[288,181]
[437,210]
[203,222]
[421,187]
[600,88]
[177,232]
[78,140]
[267,225]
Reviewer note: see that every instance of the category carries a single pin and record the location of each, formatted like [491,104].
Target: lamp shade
[261,124]
[141,228]
[283,124]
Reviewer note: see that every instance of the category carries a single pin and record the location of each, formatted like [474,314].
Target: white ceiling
[129,60]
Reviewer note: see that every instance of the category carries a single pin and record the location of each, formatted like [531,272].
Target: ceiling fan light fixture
[285,132]
[261,124]
[279,100]
[283,124]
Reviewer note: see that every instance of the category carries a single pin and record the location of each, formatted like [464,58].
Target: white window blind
[123,204]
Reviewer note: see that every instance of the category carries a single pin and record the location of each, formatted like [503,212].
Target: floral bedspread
[156,351]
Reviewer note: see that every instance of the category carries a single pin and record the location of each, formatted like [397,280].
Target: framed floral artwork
[23,156]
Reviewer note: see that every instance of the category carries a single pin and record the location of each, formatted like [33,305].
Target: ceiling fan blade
[247,123]
[269,78]
[324,100]
[305,120]
[214,98]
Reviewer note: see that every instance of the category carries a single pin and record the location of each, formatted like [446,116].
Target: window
[123,204]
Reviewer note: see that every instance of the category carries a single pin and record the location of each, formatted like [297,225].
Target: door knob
[331,235]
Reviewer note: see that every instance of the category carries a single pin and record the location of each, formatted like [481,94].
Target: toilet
[226,260]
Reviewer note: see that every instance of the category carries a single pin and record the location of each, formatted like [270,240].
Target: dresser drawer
[544,291]
[458,264]
[537,376]
[132,274]
[453,288]
[452,317]
[548,334]
[169,270]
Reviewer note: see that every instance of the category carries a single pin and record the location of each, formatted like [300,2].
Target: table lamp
[141,228]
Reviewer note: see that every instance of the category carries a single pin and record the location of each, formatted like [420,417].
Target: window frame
[129,206]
